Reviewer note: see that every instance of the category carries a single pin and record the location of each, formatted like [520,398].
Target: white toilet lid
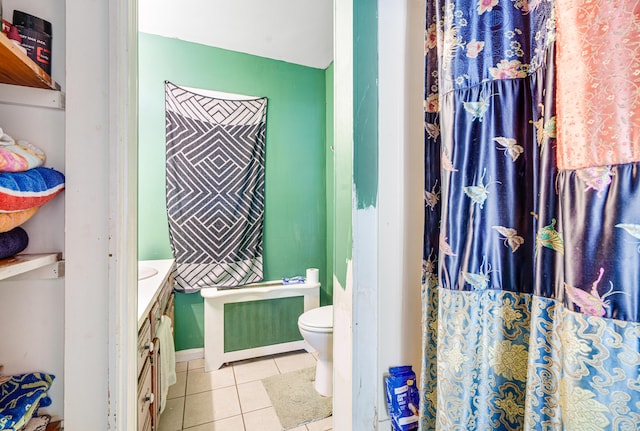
[321,317]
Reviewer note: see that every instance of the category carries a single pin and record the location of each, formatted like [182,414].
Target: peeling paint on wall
[365,96]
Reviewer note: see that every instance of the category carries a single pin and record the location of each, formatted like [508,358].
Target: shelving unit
[23,82]
[32,107]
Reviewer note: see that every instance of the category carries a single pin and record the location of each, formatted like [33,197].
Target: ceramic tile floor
[231,398]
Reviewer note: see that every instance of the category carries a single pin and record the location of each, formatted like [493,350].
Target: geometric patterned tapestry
[215,188]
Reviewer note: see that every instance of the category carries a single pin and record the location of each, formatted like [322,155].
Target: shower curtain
[531,269]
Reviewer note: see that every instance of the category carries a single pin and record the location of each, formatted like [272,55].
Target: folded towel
[20,156]
[293,280]
[167,359]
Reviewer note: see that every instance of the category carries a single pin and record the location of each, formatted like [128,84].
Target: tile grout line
[184,405]
[235,385]
[237,391]
[186,390]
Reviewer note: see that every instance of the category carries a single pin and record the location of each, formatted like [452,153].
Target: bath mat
[215,160]
[294,398]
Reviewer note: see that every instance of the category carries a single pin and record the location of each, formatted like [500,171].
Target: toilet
[316,327]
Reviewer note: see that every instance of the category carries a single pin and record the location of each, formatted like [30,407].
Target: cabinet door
[146,402]
[144,345]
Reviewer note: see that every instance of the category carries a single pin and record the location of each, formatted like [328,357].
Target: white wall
[101,285]
[295,31]
[343,142]
[400,174]
[87,301]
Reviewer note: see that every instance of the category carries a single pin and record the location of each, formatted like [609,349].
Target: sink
[146,272]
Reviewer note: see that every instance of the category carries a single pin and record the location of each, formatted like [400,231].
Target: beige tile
[181,366]
[300,428]
[249,371]
[294,361]
[178,388]
[325,424]
[210,406]
[200,381]
[171,417]
[234,423]
[196,363]
[262,420]
[253,396]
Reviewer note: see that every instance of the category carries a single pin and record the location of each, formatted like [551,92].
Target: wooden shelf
[18,69]
[32,266]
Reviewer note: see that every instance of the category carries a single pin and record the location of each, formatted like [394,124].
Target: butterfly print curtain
[531,270]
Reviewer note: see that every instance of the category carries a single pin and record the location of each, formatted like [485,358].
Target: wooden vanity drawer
[144,344]
[145,397]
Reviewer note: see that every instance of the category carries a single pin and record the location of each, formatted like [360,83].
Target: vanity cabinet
[155,299]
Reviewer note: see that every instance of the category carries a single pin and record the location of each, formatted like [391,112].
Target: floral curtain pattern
[531,273]
[598,99]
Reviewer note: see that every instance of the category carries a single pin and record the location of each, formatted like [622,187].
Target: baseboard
[189,354]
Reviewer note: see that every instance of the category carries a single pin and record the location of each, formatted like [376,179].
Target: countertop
[148,288]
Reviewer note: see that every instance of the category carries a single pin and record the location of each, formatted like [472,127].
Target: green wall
[295,231]
[365,95]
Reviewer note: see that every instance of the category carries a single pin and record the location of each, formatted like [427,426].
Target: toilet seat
[317,320]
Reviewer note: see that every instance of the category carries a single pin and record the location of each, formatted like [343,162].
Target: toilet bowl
[316,327]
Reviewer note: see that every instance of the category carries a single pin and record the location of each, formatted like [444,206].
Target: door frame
[123,214]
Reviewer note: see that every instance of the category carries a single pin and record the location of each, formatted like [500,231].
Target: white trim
[400,188]
[343,330]
[123,171]
[256,352]
[366,316]
[189,354]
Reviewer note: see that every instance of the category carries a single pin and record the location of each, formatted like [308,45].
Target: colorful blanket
[20,398]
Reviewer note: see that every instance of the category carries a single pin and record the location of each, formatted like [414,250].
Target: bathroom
[88,314]
[306,224]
